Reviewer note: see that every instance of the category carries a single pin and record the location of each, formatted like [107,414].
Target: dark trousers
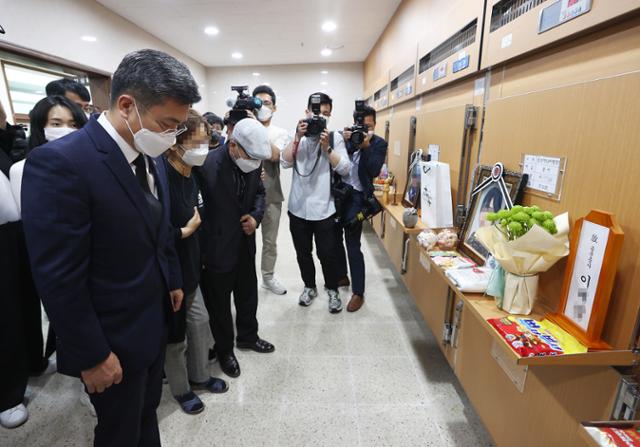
[127,412]
[21,341]
[304,232]
[242,281]
[352,237]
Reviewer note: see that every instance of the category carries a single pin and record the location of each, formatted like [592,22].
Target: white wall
[56,26]
[293,84]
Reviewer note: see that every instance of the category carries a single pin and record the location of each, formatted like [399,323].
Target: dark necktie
[240,183]
[141,173]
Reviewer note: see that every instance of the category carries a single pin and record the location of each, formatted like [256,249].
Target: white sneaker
[307,296]
[335,303]
[14,417]
[274,286]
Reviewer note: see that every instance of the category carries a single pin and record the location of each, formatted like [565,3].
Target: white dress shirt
[352,178]
[310,196]
[129,152]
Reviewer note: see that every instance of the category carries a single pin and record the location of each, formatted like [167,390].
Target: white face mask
[247,166]
[53,133]
[264,114]
[88,115]
[151,143]
[370,134]
[196,157]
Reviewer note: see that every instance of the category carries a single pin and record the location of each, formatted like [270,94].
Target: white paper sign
[586,273]
[393,223]
[419,104]
[396,148]
[543,172]
[434,151]
[424,261]
[506,41]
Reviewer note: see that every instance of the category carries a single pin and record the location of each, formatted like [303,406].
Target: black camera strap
[315,164]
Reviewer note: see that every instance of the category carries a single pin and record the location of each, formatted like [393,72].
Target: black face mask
[216,139]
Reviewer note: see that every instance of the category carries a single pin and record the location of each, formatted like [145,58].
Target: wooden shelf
[484,308]
[395,212]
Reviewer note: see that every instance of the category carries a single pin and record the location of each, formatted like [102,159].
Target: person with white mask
[233,195]
[95,210]
[186,364]
[279,139]
[314,154]
[51,118]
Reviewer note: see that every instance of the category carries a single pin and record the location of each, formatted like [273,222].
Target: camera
[370,208]
[242,104]
[316,124]
[359,130]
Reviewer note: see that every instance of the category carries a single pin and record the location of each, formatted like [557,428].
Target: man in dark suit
[234,200]
[96,218]
[366,161]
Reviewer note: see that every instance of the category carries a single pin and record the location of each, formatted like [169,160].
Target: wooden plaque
[596,243]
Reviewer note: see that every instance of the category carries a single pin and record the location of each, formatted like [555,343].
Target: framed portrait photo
[411,195]
[488,196]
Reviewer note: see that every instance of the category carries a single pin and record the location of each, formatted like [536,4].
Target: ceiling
[266,32]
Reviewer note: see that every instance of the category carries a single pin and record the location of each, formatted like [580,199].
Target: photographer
[312,155]
[367,153]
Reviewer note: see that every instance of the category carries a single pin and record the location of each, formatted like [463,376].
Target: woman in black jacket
[189,328]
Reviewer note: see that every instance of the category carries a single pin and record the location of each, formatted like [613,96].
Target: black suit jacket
[223,210]
[101,268]
[371,161]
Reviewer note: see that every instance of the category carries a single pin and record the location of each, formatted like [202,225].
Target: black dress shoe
[229,365]
[260,345]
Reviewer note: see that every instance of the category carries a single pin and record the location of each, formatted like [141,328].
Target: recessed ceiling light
[324,83]
[324,72]
[326,52]
[39,92]
[236,55]
[255,73]
[211,30]
[89,38]
[329,26]
[266,83]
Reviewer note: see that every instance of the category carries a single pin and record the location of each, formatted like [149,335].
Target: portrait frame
[486,193]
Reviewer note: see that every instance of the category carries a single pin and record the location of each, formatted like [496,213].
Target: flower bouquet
[525,241]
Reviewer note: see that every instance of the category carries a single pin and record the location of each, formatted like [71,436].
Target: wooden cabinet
[513,27]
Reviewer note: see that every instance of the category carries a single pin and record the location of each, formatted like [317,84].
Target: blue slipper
[190,403]
[214,385]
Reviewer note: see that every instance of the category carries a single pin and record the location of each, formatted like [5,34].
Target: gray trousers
[189,359]
[270,224]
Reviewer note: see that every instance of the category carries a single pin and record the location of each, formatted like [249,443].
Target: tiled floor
[372,378]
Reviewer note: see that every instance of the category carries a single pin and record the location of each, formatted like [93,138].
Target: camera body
[243,103]
[316,124]
[359,130]
[370,208]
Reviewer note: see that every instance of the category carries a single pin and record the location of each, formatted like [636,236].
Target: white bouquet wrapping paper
[524,258]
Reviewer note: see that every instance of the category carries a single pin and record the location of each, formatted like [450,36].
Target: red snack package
[520,339]
[623,437]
